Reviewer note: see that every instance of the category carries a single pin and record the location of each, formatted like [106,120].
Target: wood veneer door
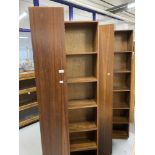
[47,29]
[106,49]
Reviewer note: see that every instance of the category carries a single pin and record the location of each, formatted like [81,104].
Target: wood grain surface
[106,49]
[47,29]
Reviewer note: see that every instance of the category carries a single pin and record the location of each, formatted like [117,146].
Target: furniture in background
[122,88]
[28,105]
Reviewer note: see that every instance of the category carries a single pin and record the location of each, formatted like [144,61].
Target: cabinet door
[106,49]
[47,28]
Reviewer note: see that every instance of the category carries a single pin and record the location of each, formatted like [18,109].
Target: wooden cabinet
[28,105]
[122,87]
[75,108]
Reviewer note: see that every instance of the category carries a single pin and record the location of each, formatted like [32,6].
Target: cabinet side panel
[106,49]
[47,28]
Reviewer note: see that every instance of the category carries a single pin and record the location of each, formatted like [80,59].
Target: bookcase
[74,88]
[81,48]
[122,82]
[28,105]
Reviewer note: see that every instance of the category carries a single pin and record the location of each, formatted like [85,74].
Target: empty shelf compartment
[120,116]
[84,33]
[80,67]
[121,100]
[120,131]
[121,82]
[83,141]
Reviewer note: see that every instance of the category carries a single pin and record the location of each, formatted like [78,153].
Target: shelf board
[25,91]
[28,121]
[27,106]
[26,75]
[83,145]
[120,134]
[120,120]
[82,79]
[120,89]
[122,52]
[80,104]
[122,71]
[120,106]
[81,53]
[82,126]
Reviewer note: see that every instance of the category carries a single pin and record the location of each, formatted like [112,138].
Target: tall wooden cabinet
[122,87]
[69,72]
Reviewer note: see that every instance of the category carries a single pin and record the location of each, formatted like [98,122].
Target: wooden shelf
[122,52]
[25,91]
[82,53]
[120,134]
[120,106]
[120,120]
[26,75]
[121,89]
[83,145]
[82,79]
[122,71]
[28,121]
[82,126]
[79,104]
[27,106]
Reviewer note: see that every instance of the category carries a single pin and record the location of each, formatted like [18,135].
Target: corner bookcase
[81,48]
[122,82]
[28,105]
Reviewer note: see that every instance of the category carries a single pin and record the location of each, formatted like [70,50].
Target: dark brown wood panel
[106,49]
[47,29]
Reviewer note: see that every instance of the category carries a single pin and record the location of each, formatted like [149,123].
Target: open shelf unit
[28,105]
[122,82]
[82,85]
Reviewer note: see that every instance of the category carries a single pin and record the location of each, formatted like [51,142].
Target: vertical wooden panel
[47,27]
[106,49]
[132,97]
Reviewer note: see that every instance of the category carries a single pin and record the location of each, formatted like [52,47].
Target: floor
[30,142]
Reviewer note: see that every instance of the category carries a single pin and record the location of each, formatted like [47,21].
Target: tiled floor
[30,142]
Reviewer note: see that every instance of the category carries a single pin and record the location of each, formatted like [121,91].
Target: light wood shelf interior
[121,100]
[28,90]
[81,53]
[26,75]
[82,79]
[81,71]
[83,141]
[27,106]
[82,126]
[28,121]
[83,103]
